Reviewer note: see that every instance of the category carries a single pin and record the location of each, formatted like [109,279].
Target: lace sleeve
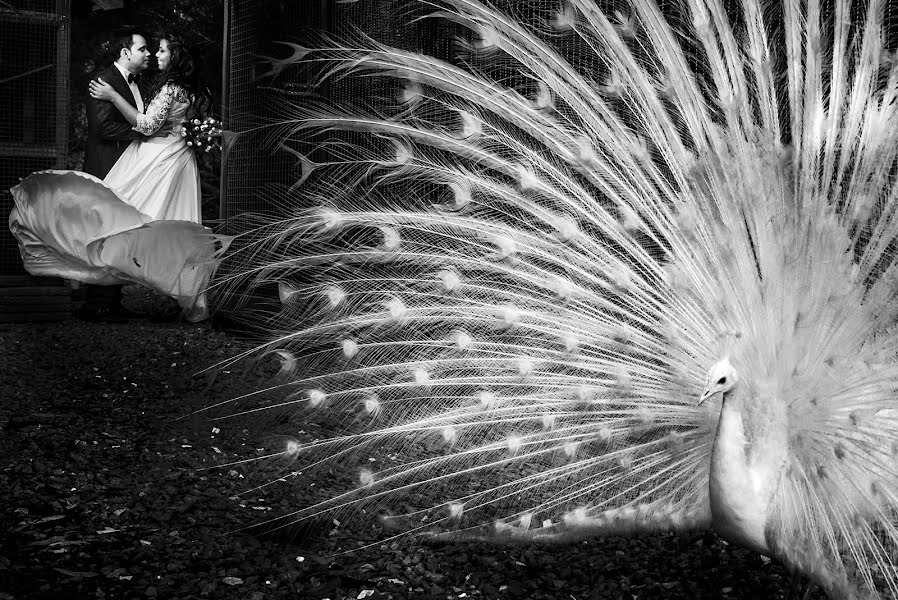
[158,110]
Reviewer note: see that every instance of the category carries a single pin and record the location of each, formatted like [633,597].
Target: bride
[142,222]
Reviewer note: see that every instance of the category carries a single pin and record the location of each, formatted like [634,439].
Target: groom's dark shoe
[123,313]
[104,304]
[167,315]
[107,314]
[95,314]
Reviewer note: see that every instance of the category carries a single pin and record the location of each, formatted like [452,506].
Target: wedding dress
[158,175]
[72,225]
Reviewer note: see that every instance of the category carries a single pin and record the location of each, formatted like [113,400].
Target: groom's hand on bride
[164,130]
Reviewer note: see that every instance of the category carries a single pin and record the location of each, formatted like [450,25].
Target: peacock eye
[722,380]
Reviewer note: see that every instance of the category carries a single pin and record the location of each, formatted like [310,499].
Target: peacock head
[722,377]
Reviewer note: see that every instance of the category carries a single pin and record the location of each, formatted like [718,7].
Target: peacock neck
[737,489]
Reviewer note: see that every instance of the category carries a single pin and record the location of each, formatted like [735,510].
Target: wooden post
[63,52]
[225,106]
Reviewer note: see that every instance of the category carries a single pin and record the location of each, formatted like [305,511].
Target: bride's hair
[183,71]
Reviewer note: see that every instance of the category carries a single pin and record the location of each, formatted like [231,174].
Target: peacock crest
[516,286]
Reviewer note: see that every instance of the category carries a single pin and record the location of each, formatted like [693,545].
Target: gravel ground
[114,488]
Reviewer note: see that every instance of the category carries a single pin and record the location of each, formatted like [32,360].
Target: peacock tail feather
[515,285]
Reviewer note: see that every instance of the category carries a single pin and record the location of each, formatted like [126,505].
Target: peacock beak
[707,394]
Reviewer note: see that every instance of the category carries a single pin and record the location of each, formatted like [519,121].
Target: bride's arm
[157,112]
[101,90]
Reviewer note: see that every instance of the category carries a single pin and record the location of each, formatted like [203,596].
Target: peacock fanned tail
[513,285]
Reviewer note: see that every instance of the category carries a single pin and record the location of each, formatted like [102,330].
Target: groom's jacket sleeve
[109,126]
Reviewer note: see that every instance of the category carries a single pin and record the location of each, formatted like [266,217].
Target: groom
[108,134]
[108,131]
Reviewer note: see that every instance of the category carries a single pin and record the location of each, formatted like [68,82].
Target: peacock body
[647,283]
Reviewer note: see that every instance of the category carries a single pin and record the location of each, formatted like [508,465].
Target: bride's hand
[101,90]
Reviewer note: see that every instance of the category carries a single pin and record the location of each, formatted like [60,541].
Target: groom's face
[137,57]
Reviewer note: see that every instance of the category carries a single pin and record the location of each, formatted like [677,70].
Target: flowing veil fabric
[70,224]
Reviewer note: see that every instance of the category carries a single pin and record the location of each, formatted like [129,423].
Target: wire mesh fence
[37,6]
[34,74]
[257,164]
[254,27]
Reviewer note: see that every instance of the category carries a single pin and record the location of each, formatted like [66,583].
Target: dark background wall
[34,71]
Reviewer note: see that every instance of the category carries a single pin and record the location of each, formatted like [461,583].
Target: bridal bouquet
[202,134]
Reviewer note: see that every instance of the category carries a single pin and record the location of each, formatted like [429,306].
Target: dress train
[70,224]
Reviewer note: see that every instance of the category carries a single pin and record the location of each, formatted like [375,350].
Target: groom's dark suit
[108,131]
[108,134]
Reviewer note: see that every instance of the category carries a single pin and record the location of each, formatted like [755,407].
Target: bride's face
[163,56]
